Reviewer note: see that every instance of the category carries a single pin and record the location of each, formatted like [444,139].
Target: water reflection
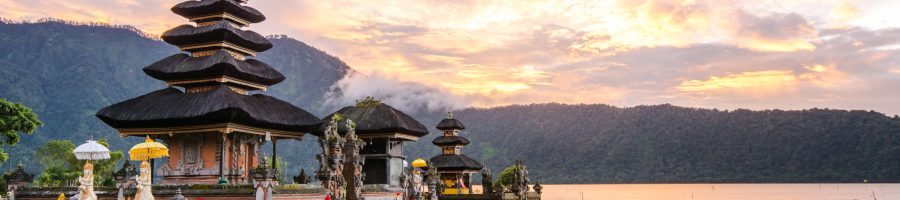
[723,192]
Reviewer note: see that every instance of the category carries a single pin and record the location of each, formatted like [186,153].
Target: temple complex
[383,129]
[455,168]
[213,116]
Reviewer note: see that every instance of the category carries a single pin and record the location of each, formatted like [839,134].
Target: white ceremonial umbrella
[91,151]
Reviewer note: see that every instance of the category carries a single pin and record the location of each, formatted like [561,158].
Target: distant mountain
[66,72]
[664,143]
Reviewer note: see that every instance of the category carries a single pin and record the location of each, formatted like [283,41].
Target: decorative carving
[17,179]
[434,180]
[191,162]
[538,187]
[414,185]
[353,162]
[487,181]
[519,186]
[178,195]
[302,178]
[331,161]
[123,179]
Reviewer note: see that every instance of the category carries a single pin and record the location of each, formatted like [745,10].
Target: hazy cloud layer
[439,55]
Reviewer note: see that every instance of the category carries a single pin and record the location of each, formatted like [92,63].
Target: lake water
[722,192]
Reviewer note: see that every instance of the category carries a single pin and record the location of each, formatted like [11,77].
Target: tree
[61,167]
[506,176]
[15,118]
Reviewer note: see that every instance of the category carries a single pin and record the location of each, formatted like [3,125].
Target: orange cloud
[500,52]
[756,84]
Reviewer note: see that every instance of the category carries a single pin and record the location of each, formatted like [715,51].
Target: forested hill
[67,71]
[665,143]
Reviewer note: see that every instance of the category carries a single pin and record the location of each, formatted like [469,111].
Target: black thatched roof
[450,140]
[221,31]
[450,124]
[455,162]
[375,119]
[190,9]
[170,108]
[221,63]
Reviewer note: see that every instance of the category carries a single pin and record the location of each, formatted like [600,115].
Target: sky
[442,55]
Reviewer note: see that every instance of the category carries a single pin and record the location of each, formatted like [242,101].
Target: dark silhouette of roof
[190,9]
[450,124]
[375,119]
[171,108]
[450,140]
[221,31]
[455,162]
[182,66]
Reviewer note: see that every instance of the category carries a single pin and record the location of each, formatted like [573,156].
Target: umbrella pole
[151,170]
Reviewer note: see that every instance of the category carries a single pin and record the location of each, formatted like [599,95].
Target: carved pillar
[222,180]
[123,179]
[433,180]
[331,162]
[17,179]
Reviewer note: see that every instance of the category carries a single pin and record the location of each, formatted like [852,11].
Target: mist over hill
[66,72]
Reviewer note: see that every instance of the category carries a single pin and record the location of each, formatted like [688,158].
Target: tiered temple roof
[451,143]
[215,79]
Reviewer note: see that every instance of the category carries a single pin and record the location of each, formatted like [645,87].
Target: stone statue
[87,183]
[144,190]
[487,181]
[416,184]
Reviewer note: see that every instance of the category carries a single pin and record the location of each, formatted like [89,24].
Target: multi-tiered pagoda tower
[454,168]
[213,115]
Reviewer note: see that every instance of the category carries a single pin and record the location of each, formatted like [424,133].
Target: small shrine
[455,169]
[383,130]
[213,116]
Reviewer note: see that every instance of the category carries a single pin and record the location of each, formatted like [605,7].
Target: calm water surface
[723,192]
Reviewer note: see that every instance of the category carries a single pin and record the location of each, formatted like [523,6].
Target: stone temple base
[194,192]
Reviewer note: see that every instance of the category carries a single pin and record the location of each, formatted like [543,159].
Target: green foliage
[368,101]
[61,166]
[15,119]
[280,166]
[506,177]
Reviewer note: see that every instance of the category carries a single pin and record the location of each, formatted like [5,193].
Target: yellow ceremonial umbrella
[148,150]
[419,163]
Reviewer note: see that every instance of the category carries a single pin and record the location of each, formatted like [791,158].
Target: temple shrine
[384,130]
[213,116]
[455,169]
